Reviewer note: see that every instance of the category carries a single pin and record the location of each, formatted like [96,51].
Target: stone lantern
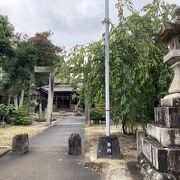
[170,35]
[160,147]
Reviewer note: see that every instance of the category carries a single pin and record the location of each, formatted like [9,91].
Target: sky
[72,21]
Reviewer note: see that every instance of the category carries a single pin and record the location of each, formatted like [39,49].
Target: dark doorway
[63,102]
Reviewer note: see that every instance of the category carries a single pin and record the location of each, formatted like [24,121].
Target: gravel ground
[124,169]
[7,133]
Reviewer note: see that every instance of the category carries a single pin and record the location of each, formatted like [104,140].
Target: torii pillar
[50,70]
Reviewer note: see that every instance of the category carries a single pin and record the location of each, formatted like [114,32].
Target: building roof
[58,88]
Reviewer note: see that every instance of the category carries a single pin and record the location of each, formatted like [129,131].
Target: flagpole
[108,146]
[107,68]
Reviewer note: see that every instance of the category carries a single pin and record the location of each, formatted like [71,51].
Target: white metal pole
[107,67]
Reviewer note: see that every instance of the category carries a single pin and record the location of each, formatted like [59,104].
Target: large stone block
[20,144]
[74,144]
[167,116]
[174,160]
[155,153]
[139,140]
[163,159]
[150,173]
[167,137]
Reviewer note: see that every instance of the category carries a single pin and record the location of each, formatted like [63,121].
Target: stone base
[108,147]
[162,159]
[150,173]
[139,141]
[174,160]
[156,154]
[74,144]
[20,144]
[171,100]
[167,137]
[167,116]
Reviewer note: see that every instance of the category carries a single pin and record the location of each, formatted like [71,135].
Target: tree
[6,43]
[18,69]
[137,63]
[6,35]
[47,54]
[138,76]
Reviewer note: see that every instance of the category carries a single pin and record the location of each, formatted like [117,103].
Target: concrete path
[57,136]
[48,159]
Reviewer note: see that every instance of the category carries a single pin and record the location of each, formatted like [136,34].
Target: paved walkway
[48,159]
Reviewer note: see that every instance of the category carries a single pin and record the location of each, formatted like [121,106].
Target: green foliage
[138,76]
[47,51]
[96,115]
[47,54]
[19,68]
[6,112]
[26,53]
[2,111]
[139,79]
[21,116]
[6,35]
[121,5]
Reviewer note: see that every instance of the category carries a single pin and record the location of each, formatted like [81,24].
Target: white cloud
[73,21]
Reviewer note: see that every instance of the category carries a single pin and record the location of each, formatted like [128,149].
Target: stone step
[163,159]
[167,116]
[167,137]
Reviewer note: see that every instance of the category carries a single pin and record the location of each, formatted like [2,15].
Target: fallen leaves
[94,166]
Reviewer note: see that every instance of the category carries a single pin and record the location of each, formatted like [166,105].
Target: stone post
[74,144]
[20,144]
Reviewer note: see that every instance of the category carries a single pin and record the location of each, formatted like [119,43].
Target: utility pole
[107,68]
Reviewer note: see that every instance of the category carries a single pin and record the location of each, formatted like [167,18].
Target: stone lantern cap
[170,29]
[177,14]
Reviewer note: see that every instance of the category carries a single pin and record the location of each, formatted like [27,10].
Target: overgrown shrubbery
[96,115]
[7,112]
[21,116]
[11,116]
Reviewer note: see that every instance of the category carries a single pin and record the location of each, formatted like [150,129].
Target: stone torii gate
[50,70]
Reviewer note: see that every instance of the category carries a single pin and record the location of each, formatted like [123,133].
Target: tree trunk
[77,105]
[21,98]
[40,112]
[16,102]
[87,110]
[9,99]
[124,127]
